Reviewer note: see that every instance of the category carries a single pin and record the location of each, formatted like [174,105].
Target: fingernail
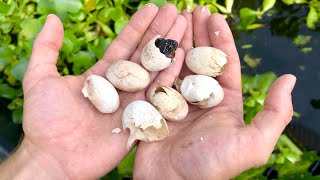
[150,4]
[49,15]
[188,10]
[291,82]
[203,9]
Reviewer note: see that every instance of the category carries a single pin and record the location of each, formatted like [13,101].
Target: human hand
[215,143]
[64,132]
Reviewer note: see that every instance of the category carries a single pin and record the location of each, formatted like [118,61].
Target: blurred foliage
[91,25]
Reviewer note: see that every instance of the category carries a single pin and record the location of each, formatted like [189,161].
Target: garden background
[272,37]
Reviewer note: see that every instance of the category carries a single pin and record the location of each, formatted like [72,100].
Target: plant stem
[285,140]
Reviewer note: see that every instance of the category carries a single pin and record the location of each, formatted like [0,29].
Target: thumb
[45,52]
[277,111]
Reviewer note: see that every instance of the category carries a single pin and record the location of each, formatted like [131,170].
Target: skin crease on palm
[214,143]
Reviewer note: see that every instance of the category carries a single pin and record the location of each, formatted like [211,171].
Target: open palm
[60,123]
[215,143]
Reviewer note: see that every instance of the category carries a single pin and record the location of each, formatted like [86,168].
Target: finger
[45,52]
[176,32]
[277,111]
[127,41]
[201,17]
[221,38]
[187,40]
[168,76]
[160,26]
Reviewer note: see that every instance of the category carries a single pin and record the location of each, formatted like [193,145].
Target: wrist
[29,162]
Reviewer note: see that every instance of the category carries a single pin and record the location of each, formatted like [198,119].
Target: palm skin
[63,125]
[215,143]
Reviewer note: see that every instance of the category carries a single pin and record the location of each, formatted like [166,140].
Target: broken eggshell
[145,122]
[207,61]
[200,90]
[101,93]
[127,76]
[158,54]
[170,103]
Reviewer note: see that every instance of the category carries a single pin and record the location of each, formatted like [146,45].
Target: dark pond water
[280,55]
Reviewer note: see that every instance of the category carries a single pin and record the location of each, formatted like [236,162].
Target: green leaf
[72,6]
[264,81]
[250,61]
[74,45]
[302,40]
[159,3]
[67,45]
[229,4]
[15,104]
[113,175]
[90,5]
[312,18]
[119,25]
[255,26]
[17,116]
[246,46]
[30,28]
[7,9]
[5,39]
[78,16]
[90,36]
[221,8]
[19,69]
[306,50]
[46,7]
[102,4]
[118,3]
[9,92]
[288,2]
[6,27]
[106,29]
[247,17]
[316,5]
[82,61]
[116,14]
[267,5]
[212,8]
[99,46]
[6,54]
[254,173]
[103,14]
[300,1]
[125,168]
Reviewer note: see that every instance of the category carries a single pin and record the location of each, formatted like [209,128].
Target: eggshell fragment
[207,61]
[101,93]
[127,76]
[145,123]
[116,130]
[200,90]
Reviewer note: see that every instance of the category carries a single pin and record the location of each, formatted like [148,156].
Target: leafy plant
[313,17]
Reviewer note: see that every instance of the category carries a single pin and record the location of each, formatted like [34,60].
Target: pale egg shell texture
[201,90]
[207,61]
[101,93]
[145,122]
[127,76]
[170,103]
[151,57]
